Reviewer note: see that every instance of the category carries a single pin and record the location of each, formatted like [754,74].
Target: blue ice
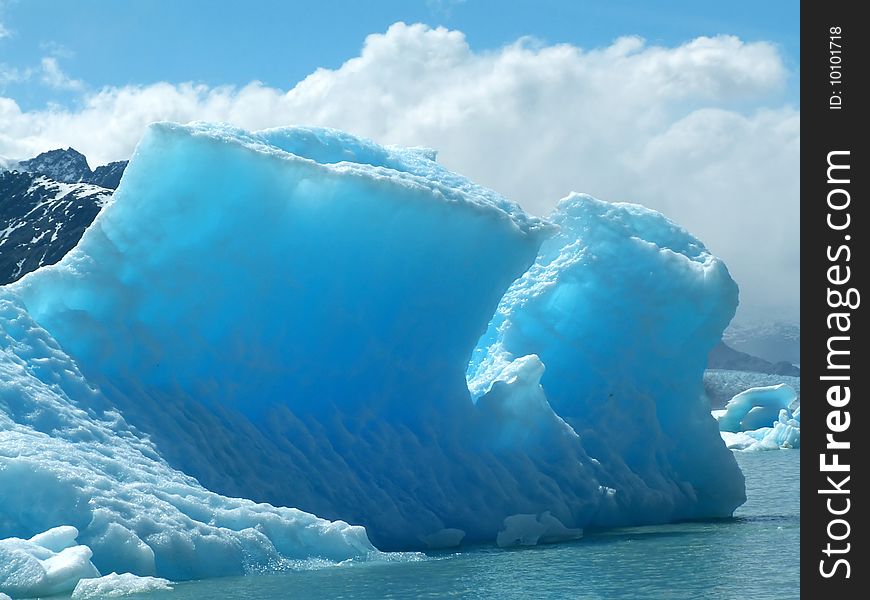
[301,318]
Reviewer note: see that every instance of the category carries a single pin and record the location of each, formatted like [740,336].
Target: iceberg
[762,418]
[117,586]
[301,318]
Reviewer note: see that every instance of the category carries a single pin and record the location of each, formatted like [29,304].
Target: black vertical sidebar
[835,369]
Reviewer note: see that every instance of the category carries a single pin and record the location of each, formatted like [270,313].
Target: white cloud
[53,76]
[680,129]
[443,8]
[5,32]
[12,75]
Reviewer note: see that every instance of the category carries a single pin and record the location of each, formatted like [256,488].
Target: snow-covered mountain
[42,219]
[71,166]
[46,203]
[67,166]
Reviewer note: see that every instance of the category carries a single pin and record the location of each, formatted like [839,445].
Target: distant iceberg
[304,318]
[762,418]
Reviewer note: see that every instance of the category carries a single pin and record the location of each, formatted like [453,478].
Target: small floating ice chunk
[46,564]
[529,530]
[445,538]
[117,586]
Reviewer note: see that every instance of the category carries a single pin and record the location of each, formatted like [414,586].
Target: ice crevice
[302,318]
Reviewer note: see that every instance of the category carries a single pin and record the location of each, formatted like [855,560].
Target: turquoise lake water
[754,555]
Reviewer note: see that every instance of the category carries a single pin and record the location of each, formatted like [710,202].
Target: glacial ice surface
[288,316]
[68,458]
[622,307]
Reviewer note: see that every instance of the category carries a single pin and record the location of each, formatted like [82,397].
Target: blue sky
[102,42]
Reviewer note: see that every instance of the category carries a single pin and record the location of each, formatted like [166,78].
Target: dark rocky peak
[109,176]
[68,166]
[71,166]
